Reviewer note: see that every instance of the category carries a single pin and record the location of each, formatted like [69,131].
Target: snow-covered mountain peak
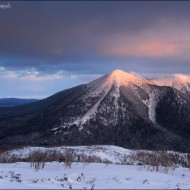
[178,81]
[118,72]
[172,78]
[184,78]
[122,78]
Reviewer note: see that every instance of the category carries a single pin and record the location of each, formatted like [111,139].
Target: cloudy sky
[46,47]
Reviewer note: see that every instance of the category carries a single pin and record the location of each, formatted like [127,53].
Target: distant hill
[9,102]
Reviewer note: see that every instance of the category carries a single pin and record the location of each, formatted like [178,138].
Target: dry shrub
[188,160]
[160,158]
[53,155]
[3,158]
[2,150]
[68,158]
[90,159]
[6,158]
[37,159]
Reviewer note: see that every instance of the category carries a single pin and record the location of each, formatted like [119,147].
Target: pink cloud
[149,49]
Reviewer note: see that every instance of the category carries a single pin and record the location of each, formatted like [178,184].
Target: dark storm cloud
[77,36]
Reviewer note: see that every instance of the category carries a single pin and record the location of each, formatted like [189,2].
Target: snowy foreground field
[115,170]
[94,175]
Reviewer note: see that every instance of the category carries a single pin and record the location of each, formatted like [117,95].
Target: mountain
[178,81]
[9,102]
[120,108]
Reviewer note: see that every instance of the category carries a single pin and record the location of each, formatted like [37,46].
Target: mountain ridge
[9,102]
